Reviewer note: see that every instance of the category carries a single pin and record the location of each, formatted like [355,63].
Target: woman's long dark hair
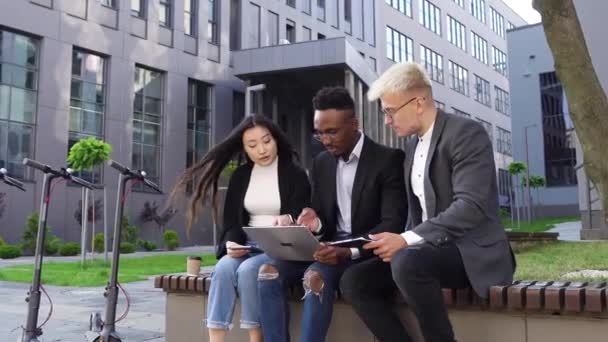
[206,172]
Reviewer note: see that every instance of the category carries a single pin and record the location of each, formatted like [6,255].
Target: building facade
[540,111]
[540,108]
[162,80]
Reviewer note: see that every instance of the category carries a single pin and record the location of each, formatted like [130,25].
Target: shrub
[129,232]
[31,233]
[147,245]
[9,252]
[52,246]
[2,243]
[172,245]
[171,239]
[98,243]
[69,249]
[127,248]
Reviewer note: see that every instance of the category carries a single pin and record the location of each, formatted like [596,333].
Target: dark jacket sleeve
[393,198]
[232,220]
[299,197]
[317,192]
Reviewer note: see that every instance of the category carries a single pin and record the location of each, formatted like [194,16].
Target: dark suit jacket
[294,190]
[462,200]
[378,195]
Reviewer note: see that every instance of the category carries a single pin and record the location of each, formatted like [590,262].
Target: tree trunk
[516,202]
[538,205]
[93,230]
[511,202]
[587,100]
[524,202]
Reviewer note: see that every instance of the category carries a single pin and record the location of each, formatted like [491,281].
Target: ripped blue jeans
[318,305]
[234,277]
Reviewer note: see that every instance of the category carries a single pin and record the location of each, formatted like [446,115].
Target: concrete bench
[526,311]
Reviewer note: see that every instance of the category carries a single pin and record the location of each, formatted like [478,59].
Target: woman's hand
[283,220]
[234,250]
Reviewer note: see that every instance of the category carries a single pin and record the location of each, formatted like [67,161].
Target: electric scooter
[105,331]
[9,180]
[32,330]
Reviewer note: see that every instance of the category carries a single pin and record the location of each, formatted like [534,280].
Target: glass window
[482,91]
[213,22]
[18,97]
[479,48]
[399,47]
[502,101]
[138,8]
[87,103]
[560,153]
[459,78]
[433,62]
[503,141]
[147,121]
[478,10]
[403,6]
[290,31]
[430,16]
[190,17]
[254,33]
[499,61]
[498,22]
[456,33]
[164,13]
[273,28]
[321,10]
[199,121]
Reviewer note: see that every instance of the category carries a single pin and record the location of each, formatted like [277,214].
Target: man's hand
[385,245]
[331,255]
[282,220]
[309,219]
[238,250]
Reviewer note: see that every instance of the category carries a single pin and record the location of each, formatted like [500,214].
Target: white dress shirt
[417,181]
[345,178]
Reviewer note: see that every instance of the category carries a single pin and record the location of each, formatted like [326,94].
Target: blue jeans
[318,307]
[232,276]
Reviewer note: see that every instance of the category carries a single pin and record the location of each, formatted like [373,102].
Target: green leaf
[88,153]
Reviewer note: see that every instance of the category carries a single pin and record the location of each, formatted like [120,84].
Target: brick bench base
[522,312]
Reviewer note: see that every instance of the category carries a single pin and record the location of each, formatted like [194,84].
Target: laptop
[292,243]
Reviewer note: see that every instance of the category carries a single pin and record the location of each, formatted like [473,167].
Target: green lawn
[538,261]
[547,261]
[97,272]
[539,225]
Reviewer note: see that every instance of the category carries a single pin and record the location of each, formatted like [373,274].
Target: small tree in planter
[86,155]
[515,169]
[151,213]
[537,182]
[2,203]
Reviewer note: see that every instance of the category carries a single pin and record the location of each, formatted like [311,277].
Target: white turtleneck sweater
[262,200]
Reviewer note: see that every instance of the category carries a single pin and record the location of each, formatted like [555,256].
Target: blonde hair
[399,77]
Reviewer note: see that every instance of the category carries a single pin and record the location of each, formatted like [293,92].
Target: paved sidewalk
[568,231]
[73,305]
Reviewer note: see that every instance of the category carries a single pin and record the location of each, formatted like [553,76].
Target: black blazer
[462,200]
[378,199]
[294,190]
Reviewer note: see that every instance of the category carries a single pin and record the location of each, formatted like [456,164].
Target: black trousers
[419,272]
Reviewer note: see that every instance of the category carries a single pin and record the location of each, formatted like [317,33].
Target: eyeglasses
[330,134]
[390,112]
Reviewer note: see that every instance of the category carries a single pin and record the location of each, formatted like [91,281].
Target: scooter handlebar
[9,180]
